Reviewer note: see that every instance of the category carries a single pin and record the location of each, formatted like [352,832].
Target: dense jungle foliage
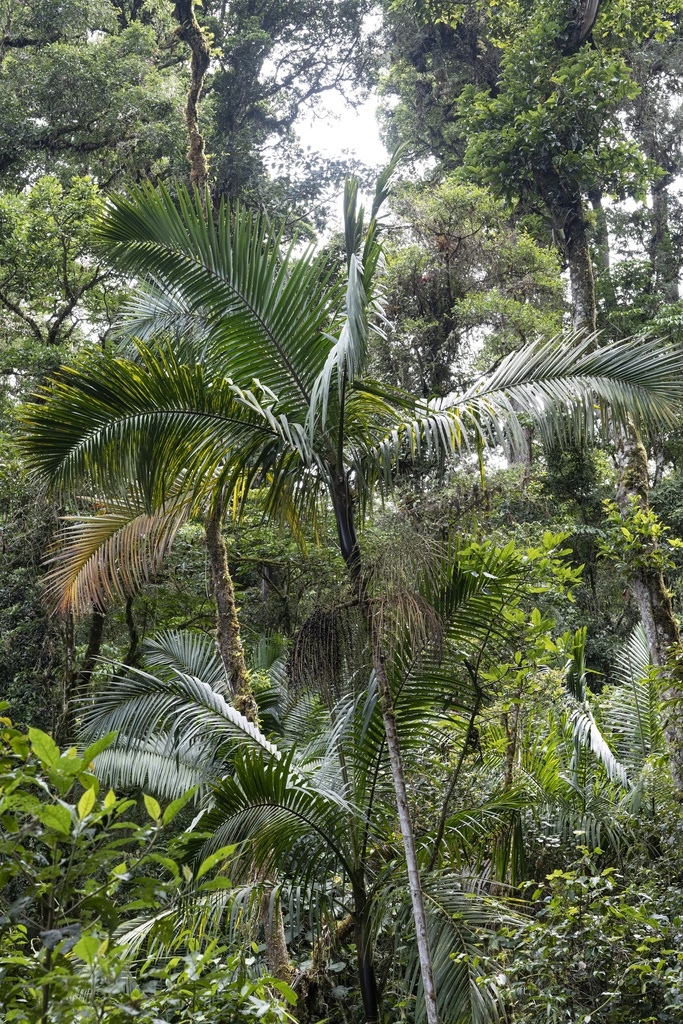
[341,555]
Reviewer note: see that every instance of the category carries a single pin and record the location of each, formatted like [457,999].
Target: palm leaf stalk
[252,368]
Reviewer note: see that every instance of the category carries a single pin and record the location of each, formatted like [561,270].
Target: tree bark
[344,514]
[228,636]
[231,651]
[581,280]
[65,730]
[654,601]
[665,267]
[190,32]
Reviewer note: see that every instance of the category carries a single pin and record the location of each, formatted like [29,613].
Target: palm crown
[250,364]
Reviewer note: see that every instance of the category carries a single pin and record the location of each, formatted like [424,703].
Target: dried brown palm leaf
[104,557]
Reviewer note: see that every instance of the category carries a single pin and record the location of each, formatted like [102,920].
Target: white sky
[339,130]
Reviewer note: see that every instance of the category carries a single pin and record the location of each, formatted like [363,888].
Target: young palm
[317,798]
[251,368]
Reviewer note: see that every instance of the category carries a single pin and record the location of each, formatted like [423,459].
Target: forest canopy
[341,570]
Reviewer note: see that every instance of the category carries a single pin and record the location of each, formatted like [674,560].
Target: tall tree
[546,129]
[85,91]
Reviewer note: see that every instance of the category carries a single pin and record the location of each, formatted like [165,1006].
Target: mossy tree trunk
[231,651]
[190,32]
[654,600]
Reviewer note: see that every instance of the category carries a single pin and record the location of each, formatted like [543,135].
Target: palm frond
[268,310]
[142,706]
[284,814]
[460,919]
[186,652]
[566,382]
[98,559]
[631,709]
[164,765]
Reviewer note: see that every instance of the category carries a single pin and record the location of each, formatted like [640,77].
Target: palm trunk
[653,599]
[344,514]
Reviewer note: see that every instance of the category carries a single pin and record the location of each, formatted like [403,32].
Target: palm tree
[257,374]
[317,798]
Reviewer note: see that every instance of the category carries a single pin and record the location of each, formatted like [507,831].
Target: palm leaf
[631,709]
[99,559]
[186,652]
[267,311]
[141,707]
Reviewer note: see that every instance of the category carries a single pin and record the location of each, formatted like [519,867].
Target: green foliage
[457,271]
[597,949]
[52,286]
[75,874]
[82,93]
[638,539]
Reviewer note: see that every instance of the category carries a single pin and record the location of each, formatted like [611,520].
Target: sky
[340,129]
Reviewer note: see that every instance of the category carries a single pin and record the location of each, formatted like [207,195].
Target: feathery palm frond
[97,559]
[284,814]
[267,310]
[141,707]
[460,918]
[163,764]
[631,708]
[186,652]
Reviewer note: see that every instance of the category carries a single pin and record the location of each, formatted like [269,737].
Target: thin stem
[451,788]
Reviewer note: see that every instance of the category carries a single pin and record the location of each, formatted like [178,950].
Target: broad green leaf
[19,745]
[284,990]
[86,803]
[56,817]
[91,752]
[220,882]
[215,858]
[153,808]
[87,948]
[177,805]
[44,747]
[109,800]
[68,765]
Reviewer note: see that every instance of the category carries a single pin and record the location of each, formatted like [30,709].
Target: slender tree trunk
[344,514]
[131,657]
[434,859]
[654,601]
[65,731]
[665,266]
[228,637]
[602,267]
[190,32]
[581,280]
[231,651]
